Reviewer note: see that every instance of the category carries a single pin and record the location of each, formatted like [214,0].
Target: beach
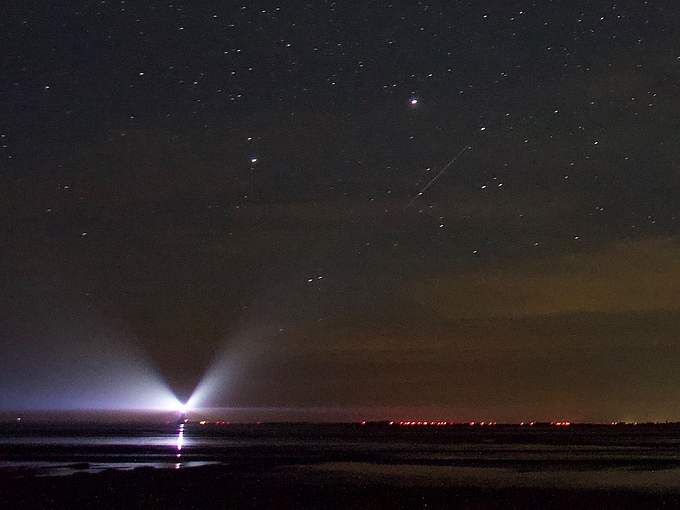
[338,466]
[222,487]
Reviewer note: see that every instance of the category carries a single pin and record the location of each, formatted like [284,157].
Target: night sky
[232,189]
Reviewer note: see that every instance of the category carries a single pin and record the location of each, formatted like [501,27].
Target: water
[48,450]
[642,457]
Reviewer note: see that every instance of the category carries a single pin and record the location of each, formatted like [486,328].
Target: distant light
[414,101]
[253,160]
[182,408]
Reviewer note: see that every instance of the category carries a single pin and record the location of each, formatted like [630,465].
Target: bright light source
[182,408]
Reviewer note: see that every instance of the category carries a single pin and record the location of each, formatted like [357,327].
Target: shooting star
[437,176]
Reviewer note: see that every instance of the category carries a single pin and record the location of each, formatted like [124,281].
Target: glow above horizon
[141,393]
[93,370]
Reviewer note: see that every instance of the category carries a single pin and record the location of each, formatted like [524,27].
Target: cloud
[630,276]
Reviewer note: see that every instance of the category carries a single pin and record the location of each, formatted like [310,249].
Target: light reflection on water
[158,440]
[65,451]
[180,438]
[591,458]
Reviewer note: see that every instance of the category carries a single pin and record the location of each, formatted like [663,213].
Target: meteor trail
[437,176]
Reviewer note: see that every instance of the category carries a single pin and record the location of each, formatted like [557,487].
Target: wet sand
[220,486]
[343,466]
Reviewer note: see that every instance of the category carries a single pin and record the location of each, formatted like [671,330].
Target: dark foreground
[220,487]
[340,467]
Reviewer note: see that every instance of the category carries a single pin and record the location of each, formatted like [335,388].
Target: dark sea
[643,457]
